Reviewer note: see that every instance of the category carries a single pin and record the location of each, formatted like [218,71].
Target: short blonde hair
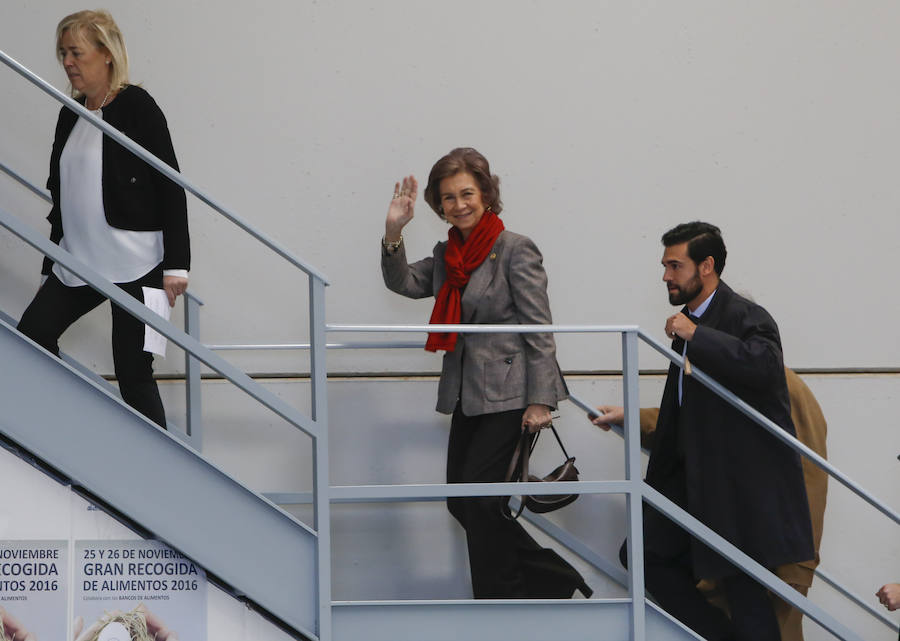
[100,30]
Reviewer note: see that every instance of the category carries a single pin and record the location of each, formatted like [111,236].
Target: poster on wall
[34,589]
[137,590]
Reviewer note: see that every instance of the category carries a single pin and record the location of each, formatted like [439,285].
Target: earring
[107,62]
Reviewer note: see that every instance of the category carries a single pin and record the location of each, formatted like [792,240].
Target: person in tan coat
[812,429]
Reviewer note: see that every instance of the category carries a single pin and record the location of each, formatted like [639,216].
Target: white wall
[417,551]
[384,431]
[608,123]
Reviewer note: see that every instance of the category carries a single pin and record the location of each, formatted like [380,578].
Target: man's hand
[609,415]
[680,325]
[889,595]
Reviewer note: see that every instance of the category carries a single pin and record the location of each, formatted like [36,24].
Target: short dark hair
[703,240]
[464,160]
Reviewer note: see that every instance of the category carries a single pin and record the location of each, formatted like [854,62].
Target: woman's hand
[174,286]
[536,418]
[402,208]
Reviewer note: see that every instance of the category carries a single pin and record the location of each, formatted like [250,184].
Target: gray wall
[385,431]
[608,122]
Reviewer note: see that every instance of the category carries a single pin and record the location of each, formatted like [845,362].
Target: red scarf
[461,258]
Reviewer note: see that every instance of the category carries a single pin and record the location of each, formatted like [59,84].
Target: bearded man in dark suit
[711,459]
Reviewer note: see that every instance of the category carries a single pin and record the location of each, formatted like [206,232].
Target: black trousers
[55,307]
[505,562]
[669,577]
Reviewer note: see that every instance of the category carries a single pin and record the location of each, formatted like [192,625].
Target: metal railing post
[321,481]
[192,383]
[634,516]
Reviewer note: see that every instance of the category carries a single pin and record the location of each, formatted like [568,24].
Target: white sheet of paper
[156,301]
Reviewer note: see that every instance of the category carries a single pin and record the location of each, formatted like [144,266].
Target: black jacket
[740,480]
[136,197]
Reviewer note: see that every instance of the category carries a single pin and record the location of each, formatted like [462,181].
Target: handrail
[819,572]
[158,164]
[773,428]
[37,191]
[346,494]
[488,329]
[649,494]
[157,322]
[192,374]
[878,614]
[287,412]
[301,346]
[746,563]
[704,378]
[316,426]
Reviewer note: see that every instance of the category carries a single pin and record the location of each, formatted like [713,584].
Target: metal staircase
[88,437]
[95,442]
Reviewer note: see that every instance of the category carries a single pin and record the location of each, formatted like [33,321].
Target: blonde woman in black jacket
[110,209]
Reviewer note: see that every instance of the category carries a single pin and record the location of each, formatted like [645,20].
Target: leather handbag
[518,472]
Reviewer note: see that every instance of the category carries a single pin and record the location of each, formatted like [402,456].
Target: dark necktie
[696,321]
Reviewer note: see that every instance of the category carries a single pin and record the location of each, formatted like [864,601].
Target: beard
[685,294]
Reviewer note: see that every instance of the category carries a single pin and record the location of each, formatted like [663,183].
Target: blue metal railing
[632,453]
[383,493]
[636,490]
[159,165]
[380,493]
[198,353]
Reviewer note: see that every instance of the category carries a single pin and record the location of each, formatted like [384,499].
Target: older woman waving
[494,385]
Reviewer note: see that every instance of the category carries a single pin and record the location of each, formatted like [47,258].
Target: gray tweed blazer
[491,372]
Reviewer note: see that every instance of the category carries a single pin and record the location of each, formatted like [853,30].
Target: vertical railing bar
[321,481]
[193,385]
[635,532]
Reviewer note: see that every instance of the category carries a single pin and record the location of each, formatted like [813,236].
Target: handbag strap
[519,460]
[559,440]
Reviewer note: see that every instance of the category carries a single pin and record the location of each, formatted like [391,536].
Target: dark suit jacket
[740,480]
[812,430]
[136,197]
[491,372]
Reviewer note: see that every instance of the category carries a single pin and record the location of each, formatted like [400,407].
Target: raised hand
[401,209]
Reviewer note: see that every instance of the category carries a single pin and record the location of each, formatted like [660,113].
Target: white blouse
[118,255]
